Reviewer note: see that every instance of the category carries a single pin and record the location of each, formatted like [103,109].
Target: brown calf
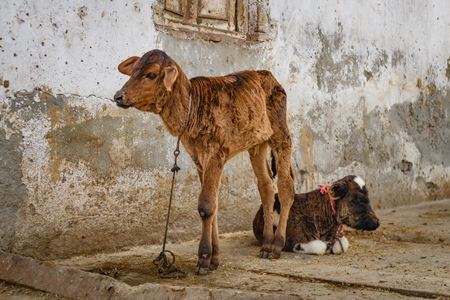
[316,217]
[216,118]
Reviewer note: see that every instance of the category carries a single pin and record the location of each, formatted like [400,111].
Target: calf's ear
[338,189]
[126,67]
[170,75]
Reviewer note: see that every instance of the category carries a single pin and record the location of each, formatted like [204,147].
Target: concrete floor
[408,257]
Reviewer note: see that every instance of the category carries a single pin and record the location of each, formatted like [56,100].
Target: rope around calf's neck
[324,188]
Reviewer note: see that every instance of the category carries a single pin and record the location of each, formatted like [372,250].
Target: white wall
[368,94]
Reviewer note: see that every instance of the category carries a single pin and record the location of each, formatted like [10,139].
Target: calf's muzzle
[118,98]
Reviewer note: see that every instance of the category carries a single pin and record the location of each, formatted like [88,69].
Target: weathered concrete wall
[368,92]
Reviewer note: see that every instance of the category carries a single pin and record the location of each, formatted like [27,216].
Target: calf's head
[353,204]
[152,78]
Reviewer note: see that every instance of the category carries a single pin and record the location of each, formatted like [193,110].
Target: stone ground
[408,257]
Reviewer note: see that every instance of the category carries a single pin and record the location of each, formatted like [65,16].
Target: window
[215,20]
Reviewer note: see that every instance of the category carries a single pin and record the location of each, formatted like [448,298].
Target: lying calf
[317,219]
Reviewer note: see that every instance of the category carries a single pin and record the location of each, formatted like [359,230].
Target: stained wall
[368,94]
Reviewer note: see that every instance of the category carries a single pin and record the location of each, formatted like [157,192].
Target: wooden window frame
[246,21]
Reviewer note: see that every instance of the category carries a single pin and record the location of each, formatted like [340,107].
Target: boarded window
[214,20]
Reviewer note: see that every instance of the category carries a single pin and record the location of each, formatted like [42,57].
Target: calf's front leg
[208,250]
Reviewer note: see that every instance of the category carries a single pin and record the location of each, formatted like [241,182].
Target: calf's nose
[118,97]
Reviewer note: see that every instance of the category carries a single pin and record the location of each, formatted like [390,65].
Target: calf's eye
[151,76]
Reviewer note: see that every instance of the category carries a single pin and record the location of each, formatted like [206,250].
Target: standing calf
[317,217]
[215,119]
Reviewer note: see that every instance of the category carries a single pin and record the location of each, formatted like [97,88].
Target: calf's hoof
[203,262]
[264,254]
[206,262]
[202,271]
[277,247]
[214,264]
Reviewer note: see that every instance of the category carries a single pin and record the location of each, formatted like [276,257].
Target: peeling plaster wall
[368,94]
[372,95]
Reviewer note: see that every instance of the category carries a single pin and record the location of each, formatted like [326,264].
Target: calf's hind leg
[266,192]
[286,191]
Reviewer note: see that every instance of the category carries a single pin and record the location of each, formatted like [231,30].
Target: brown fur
[311,217]
[216,118]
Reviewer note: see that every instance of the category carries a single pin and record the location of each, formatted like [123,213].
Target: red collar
[324,189]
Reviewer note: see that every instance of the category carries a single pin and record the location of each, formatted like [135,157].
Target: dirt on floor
[10,291]
[407,257]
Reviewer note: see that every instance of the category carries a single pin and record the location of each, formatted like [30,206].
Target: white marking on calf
[337,247]
[275,218]
[314,247]
[359,181]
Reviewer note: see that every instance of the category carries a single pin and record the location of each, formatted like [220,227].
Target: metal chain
[165,269]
